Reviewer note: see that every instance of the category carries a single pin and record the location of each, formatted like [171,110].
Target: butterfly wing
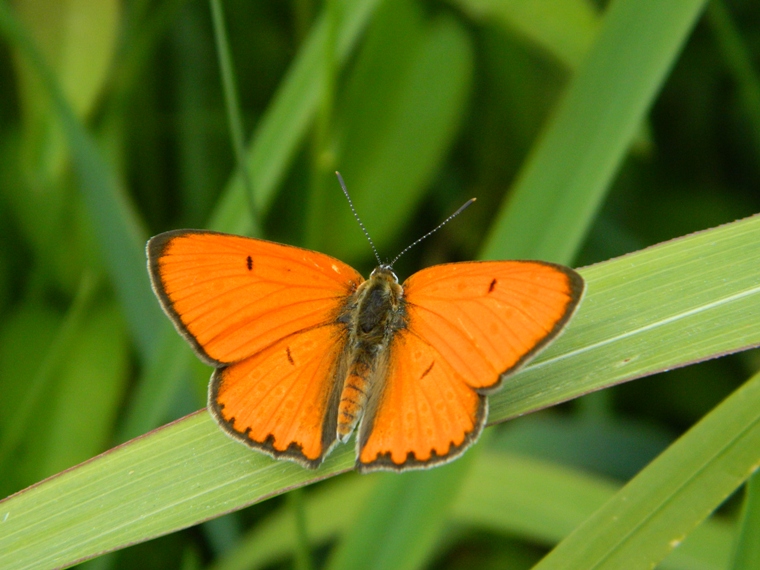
[469,325]
[425,414]
[232,296]
[267,316]
[284,399]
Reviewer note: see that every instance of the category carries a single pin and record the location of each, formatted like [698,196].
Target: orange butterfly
[305,349]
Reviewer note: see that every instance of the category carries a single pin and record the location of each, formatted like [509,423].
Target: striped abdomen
[352,399]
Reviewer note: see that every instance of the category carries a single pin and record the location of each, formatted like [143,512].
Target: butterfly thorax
[374,314]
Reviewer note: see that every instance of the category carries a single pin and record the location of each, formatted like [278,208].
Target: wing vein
[311,267]
[446,342]
[283,324]
[213,303]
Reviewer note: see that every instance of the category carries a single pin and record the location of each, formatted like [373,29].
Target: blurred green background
[420,105]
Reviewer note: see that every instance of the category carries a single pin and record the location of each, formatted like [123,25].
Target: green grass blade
[656,510]
[82,74]
[545,502]
[565,29]
[187,472]
[177,476]
[198,147]
[415,73]
[232,103]
[117,225]
[399,523]
[747,552]
[27,337]
[504,493]
[21,420]
[739,63]
[561,186]
[288,118]
[95,376]
[329,510]
[157,386]
[322,156]
[298,512]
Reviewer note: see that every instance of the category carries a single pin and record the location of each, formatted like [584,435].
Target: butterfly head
[381,292]
[384,272]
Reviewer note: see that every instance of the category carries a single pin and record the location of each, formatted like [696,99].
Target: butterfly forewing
[233,296]
[490,317]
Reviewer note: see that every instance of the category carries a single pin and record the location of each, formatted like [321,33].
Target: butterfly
[305,349]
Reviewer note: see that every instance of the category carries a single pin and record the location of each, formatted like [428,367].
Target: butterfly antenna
[358,219]
[464,206]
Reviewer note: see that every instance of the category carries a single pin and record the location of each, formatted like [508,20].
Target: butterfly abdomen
[374,316]
[352,401]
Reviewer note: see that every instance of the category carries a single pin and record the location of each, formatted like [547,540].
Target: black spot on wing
[429,368]
[290,356]
[492,286]
[249,263]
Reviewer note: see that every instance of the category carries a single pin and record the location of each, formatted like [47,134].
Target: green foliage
[585,131]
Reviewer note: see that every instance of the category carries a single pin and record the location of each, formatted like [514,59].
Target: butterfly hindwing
[233,296]
[283,400]
[424,412]
[468,326]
